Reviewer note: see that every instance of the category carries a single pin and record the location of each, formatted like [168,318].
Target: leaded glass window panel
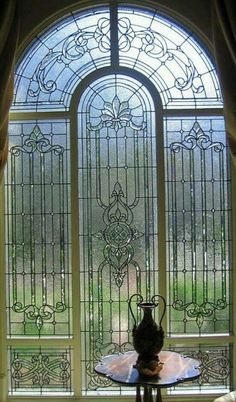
[38,230]
[216,363]
[60,58]
[198,213]
[118,211]
[40,371]
[170,57]
[117,122]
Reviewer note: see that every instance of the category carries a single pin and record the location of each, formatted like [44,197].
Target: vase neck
[147,311]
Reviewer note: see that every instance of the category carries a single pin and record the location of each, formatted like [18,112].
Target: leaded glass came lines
[170,57]
[38,235]
[69,53]
[118,221]
[172,60]
[139,202]
[198,212]
[40,370]
[215,368]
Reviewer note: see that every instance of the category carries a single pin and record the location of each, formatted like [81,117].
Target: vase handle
[129,304]
[164,304]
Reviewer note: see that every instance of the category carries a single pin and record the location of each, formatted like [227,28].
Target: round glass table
[176,369]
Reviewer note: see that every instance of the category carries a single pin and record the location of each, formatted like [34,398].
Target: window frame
[71,114]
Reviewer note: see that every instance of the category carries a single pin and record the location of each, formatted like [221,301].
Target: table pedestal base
[147,394]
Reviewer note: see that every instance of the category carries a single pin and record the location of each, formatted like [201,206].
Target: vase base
[149,369]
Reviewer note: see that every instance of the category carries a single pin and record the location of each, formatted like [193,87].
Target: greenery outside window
[118,181]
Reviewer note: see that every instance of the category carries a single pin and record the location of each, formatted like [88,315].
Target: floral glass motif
[150,188]
[117,209]
[116,115]
[199,256]
[43,206]
[118,235]
[160,50]
[148,42]
[118,216]
[69,53]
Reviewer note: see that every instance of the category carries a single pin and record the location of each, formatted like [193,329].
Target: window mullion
[233,173]
[162,276]
[114,34]
[122,78]
[3,352]
[75,260]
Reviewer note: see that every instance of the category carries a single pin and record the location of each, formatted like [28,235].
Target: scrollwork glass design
[198,212]
[147,42]
[215,363]
[65,55]
[129,80]
[38,232]
[159,49]
[117,199]
[40,370]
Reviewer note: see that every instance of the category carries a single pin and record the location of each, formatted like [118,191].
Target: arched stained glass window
[118,207]
[118,182]
[66,53]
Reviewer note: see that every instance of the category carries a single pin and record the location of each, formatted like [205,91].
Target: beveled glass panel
[170,57]
[215,363]
[198,213]
[38,230]
[60,58]
[40,371]
[117,213]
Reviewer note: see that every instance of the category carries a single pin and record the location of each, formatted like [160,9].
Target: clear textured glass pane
[216,363]
[198,213]
[60,58]
[38,230]
[170,57]
[117,199]
[117,214]
[40,371]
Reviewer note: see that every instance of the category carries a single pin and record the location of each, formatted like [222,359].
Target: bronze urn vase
[148,337]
